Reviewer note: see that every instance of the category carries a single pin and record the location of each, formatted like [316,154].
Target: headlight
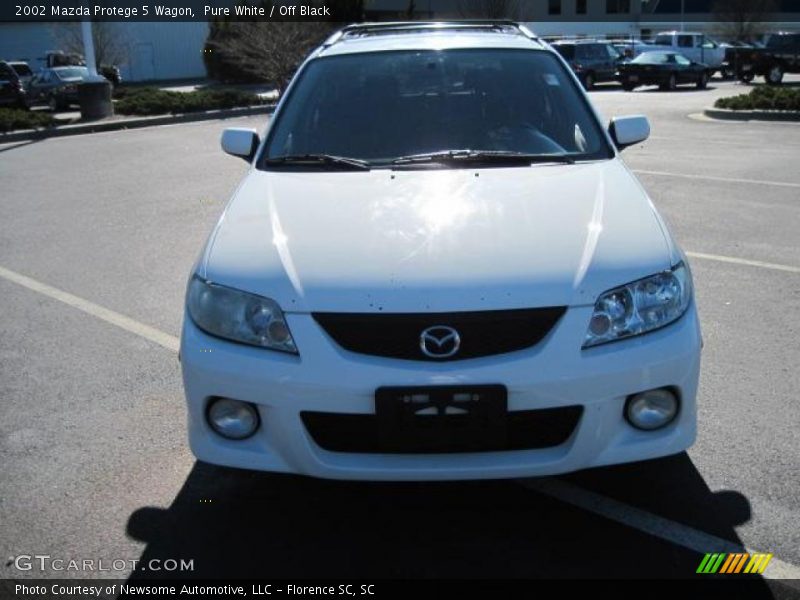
[238,316]
[641,306]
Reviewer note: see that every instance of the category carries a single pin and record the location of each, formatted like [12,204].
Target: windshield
[651,58]
[378,107]
[22,70]
[663,40]
[72,73]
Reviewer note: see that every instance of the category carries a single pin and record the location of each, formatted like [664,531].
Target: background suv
[12,90]
[592,61]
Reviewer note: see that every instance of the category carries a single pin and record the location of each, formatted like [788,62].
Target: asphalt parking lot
[97,236]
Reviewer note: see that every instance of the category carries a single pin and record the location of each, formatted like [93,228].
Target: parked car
[71,59]
[57,87]
[12,91]
[697,47]
[485,290]
[592,61]
[23,71]
[730,66]
[780,55]
[667,70]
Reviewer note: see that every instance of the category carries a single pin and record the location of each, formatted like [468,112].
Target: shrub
[763,98]
[16,118]
[153,101]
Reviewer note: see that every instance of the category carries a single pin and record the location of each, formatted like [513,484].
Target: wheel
[588,81]
[52,102]
[671,83]
[702,83]
[746,77]
[628,87]
[775,75]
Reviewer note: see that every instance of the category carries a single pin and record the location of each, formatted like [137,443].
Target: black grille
[398,335]
[525,430]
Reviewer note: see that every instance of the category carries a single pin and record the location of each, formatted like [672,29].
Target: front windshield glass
[651,58]
[381,106]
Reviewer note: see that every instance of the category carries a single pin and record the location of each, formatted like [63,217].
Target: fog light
[232,419]
[651,410]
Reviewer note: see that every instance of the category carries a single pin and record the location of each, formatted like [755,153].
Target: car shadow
[688,88]
[239,524]
[15,146]
[606,87]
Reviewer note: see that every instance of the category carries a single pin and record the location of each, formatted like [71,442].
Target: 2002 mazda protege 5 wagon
[438,267]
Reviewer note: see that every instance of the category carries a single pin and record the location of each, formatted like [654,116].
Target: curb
[133,123]
[727,114]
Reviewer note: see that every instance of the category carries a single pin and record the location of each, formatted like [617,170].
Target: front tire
[671,84]
[775,75]
[746,77]
[588,82]
[702,82]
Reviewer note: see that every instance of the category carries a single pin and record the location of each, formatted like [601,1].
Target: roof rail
[388,27]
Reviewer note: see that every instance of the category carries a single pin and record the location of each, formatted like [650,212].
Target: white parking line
[665,529]
[104,314]
[723,179]
[630,516]
[744,261]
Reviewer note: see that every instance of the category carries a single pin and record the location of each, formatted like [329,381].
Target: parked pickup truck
[697,47]
[780,55]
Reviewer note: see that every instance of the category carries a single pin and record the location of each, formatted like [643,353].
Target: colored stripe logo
[731,563]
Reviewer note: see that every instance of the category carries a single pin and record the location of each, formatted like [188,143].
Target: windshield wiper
[483,156]
[327,160]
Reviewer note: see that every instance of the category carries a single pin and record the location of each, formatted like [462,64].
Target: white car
[438,267]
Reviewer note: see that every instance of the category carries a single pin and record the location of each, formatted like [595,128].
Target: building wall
[156,51]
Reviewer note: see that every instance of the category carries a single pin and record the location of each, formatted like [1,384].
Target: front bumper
[555,373]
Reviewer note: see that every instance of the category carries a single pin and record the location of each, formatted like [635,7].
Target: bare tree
[111,45]
[268,51]
[490,9]
[742,20]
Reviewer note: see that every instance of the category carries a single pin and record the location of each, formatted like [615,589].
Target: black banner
[344,11]
[106,589]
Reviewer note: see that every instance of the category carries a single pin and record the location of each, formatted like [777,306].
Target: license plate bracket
[438,419]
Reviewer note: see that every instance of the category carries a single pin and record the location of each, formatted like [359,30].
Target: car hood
[437,240]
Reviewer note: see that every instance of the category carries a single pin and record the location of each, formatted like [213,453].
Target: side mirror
[627,131]
[240,142]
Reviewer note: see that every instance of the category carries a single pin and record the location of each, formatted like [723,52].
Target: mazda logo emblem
[439,342]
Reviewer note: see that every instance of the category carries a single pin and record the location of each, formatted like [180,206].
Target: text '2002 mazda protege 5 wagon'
[438,267]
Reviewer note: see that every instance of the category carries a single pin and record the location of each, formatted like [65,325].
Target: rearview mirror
[240,142]
[627,131]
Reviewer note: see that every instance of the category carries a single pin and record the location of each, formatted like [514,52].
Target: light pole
[94,94]
[88,48]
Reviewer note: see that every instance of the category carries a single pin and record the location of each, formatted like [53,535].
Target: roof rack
[359,30]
